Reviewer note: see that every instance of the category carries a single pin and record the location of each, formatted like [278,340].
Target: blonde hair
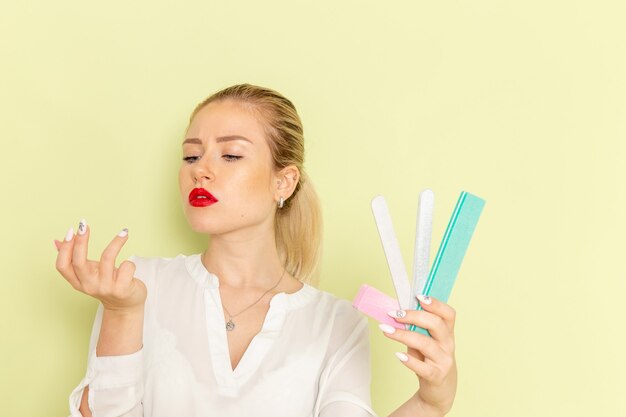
[298,225]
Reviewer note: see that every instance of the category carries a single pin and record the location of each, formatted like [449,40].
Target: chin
[206,229]
[209,224]
[215,225]
[203,225]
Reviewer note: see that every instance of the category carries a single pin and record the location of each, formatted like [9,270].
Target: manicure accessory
[452,249]
[230,324]
[69,235]
[281,202]
[423,233]
[376,304]
[442,275]
[392,251]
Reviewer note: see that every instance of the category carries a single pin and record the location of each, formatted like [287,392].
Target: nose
[202,173]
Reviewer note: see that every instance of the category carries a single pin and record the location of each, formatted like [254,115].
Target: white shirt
[311,357]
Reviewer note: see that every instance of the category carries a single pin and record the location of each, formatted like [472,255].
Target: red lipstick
[199,197]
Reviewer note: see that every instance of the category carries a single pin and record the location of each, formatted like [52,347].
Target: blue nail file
[452,249]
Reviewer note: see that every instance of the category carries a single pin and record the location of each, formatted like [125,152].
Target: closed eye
[191,159]
[231,158]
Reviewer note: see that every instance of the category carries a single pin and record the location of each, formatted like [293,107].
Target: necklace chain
[230,325]
[259,299]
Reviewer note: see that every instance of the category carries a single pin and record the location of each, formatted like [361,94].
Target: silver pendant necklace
[230,324]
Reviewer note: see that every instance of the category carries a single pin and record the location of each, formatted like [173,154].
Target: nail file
[392,251]
[423,233]
[452,249]
[376,304]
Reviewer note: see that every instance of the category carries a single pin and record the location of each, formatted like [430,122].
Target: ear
[286,181]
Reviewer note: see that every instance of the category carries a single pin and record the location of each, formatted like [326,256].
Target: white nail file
[423,233]
[392,251]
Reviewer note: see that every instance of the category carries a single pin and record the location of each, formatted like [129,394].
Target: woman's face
[226,151]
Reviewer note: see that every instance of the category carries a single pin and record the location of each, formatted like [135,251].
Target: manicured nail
[402,356]
[397,314]
[387,328]
[123,233]
[424,299]
[57,244]
[69,235]
[82,226]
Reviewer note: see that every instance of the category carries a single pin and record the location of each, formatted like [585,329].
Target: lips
[199,197]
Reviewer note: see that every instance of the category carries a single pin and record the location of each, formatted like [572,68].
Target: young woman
[239,330]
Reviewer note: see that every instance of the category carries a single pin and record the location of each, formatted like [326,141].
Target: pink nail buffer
[376,304]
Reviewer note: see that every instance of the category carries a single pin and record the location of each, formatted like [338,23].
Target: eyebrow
[217,140]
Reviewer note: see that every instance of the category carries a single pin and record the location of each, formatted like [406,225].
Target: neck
[251,261]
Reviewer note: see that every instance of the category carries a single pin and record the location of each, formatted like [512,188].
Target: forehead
[226,118]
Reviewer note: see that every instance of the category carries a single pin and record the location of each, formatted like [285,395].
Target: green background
[519,102]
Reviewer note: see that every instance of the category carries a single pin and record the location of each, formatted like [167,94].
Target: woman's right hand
[116,288]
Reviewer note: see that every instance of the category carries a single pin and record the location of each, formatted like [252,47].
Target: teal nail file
[452,249]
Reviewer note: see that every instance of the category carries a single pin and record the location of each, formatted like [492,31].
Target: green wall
[520,102]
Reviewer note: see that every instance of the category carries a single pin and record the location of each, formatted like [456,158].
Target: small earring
[281,202]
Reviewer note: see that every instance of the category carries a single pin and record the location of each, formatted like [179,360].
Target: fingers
[421,368]
[437,317]
[125,273]
[430,358]
[434,373]
[436,326]
[429,347]
[110,253]
[126,269]
[79,255]
[441,309]
[64,259]
[81,273]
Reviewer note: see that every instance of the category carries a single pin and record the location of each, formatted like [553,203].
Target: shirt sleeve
[115,382]
[345,383]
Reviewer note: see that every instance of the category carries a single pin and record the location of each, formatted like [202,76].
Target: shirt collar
[282,300]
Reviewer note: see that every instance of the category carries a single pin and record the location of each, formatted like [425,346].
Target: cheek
[254,190]
[263,184]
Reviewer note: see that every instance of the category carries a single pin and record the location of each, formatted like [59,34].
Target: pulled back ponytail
[299,233]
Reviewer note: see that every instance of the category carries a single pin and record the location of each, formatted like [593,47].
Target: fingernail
[397,314]
[123,233]
[57,244]
[402,356]
[69,235]
[387,328]
[424,299]
[82,226]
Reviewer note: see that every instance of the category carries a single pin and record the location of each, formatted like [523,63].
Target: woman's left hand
[431,358]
